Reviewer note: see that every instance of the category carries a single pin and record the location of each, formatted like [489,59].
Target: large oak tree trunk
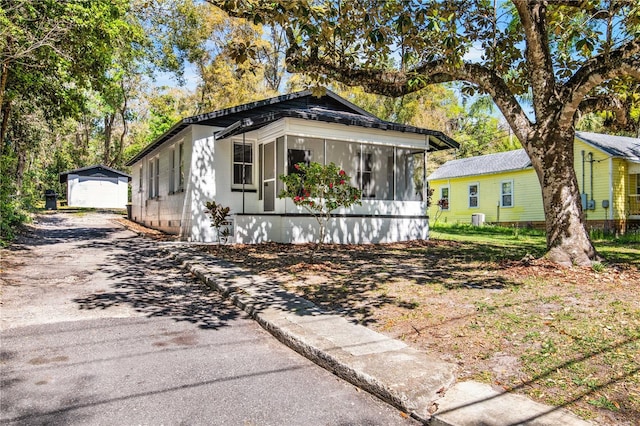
[567,236]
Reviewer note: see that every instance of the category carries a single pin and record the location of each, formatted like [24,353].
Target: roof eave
[174,130]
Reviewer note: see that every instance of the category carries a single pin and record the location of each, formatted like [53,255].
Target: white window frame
[502,194]
[141,178]
[150,176]
[476,196]
[172,174]
[181,167]
[252,165]
[448,198]
[156,179]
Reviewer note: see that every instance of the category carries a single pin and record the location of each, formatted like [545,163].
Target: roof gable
[482,165]
[615,146]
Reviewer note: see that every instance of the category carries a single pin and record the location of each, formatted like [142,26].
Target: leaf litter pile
[563,336]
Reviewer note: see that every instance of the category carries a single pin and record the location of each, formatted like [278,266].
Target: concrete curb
[410,380]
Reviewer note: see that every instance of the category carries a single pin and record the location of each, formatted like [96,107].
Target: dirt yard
[567,337]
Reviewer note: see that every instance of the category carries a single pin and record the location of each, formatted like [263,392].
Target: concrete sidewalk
[413,381]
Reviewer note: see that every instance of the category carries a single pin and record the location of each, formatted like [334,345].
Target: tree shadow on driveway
[146,279]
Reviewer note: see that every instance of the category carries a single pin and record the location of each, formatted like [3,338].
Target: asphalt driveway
[99,326]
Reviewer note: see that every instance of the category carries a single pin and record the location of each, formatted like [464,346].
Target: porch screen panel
[269,184]
[305,149]
[260,170]
[280,163]
[409,174]
[269,196]
[345,155]
[377,172]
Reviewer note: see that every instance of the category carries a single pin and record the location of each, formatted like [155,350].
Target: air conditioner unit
[477,219]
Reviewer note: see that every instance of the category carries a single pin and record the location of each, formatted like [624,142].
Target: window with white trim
[242,164]
[140,179]
[181,166]
[150,193]
[156,189]
[506,193]
[443,202]
[474,190]
[172,174]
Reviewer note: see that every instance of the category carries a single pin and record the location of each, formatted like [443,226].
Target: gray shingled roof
[615,146]
[482,165]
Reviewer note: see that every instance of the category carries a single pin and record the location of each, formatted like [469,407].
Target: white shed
[97,187]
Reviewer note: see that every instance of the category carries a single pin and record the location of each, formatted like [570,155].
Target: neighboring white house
[234,156]
[96,187]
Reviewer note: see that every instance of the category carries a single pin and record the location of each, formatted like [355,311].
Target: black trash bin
[51,199]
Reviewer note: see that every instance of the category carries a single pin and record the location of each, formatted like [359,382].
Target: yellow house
[503,188]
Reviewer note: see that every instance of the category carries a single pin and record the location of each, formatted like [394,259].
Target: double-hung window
[474,190]
[242,164]
[443,202]
[506,193]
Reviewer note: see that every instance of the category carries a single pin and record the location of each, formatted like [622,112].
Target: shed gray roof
[329,108]
[482,165]
[616,146]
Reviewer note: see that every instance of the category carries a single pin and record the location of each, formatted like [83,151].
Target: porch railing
[634,204]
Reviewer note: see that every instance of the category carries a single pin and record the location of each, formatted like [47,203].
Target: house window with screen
[296,156]
[365,171]
[473,195]
[242,164]
[506,197]
[444,198]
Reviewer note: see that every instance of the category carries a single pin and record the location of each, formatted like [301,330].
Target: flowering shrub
[320,190]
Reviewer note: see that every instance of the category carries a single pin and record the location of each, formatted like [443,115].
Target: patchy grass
[485,301]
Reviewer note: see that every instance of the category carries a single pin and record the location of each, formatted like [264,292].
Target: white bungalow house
[234,156]
[96,186]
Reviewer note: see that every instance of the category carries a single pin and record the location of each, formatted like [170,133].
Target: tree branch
[395,83]
[605,103]
[533,18]
[624,61]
